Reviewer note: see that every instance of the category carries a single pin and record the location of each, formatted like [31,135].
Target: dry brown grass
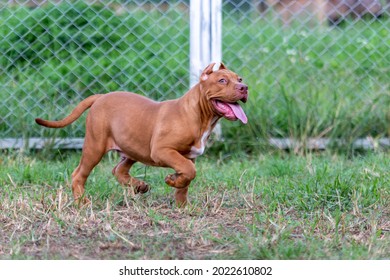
[283,212]
[55,228]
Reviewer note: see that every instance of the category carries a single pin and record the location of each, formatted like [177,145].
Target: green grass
[270,206]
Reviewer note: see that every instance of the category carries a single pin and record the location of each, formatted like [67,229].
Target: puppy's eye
[240,80]
[223,81]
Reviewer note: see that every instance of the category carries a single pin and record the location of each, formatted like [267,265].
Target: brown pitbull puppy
[171,133]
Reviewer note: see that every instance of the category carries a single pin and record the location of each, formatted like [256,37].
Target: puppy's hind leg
[90,157]
[121,172]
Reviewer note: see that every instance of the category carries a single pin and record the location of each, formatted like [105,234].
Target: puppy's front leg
[181,196]
[185,172]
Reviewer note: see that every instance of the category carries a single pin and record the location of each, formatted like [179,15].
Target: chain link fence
[55,53]
[314,68]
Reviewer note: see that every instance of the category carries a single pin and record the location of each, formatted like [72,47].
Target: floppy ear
[207,71]
[222,66]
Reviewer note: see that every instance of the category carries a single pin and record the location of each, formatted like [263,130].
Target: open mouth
[230,111]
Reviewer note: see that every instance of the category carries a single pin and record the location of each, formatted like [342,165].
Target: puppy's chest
[199,146]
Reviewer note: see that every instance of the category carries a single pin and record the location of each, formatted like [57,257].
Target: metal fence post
[205,39]
[205,35]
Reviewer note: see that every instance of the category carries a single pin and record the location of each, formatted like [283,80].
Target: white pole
[205,35]
[216,30]
[205,40]
[195,38]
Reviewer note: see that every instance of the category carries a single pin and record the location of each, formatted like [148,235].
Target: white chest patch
[195,151]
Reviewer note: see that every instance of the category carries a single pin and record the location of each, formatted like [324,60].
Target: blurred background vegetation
[306,80]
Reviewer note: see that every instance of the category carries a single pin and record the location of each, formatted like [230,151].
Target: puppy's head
[224,89]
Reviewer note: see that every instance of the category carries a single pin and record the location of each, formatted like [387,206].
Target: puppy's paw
[171,179]
[141,187]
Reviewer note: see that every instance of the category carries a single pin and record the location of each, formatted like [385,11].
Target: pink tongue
[238,112]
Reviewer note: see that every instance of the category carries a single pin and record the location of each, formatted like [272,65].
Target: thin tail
[76,113]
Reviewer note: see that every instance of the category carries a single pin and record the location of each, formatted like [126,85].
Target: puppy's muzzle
[242,90]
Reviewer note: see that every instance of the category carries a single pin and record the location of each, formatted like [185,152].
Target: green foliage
[83,49]
[56,55]
[303,83]
[310,82]
[57,32]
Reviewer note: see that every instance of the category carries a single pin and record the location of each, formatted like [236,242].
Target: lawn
[265,206]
